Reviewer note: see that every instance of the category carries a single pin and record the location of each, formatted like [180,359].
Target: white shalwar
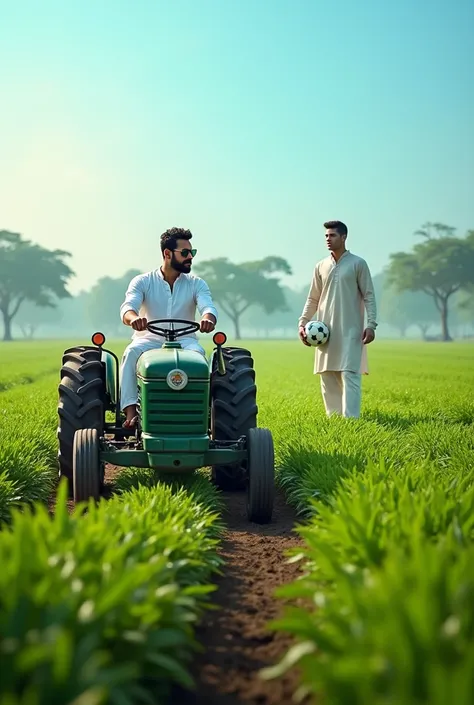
[338,294]
[149,295]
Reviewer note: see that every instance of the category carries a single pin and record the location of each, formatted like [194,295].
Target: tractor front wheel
[260,475]
[87,470]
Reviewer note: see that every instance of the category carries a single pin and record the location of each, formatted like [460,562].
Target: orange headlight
[98,339]
[219,338]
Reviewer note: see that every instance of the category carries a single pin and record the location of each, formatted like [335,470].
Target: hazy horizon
[248,124]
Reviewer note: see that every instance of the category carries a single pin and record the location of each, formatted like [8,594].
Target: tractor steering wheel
[171,334]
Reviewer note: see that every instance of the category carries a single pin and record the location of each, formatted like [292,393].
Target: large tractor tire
[81,402]
[233,412]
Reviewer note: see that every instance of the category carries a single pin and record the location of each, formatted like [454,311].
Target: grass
[389,577]
[23,363]
[386,504]
[99,608]
[417,405]
[27,444]
[96,608]
[388,507]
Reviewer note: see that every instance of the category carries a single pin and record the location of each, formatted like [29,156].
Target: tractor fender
[110,378]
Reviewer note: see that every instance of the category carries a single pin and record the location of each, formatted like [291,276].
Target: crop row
[27,444]
[387,587]
[99,606]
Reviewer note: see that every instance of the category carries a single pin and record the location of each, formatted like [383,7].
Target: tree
[283,320]
[465,306]
[440,230]
[31,317]
[395,313]
[440,267]
[29,272]
[465,299]
[237,287]
[404,309]
[105,299]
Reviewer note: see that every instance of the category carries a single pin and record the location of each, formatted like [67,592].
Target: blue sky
[248,122]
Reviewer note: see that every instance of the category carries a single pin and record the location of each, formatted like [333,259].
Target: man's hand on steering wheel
[139,323]
[207,325]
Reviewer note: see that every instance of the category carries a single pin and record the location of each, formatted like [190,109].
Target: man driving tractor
[167,292]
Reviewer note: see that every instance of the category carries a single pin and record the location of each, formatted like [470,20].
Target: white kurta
[338,294]
[150,296]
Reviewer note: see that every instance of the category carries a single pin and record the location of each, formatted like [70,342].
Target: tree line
[423,287]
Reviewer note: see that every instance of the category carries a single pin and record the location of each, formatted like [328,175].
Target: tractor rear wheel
[81,402]
[261,475]
[233,412]
[87,470]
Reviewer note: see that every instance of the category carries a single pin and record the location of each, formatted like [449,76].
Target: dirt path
[237,643]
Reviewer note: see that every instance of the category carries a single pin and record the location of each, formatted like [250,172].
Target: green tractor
[192,413]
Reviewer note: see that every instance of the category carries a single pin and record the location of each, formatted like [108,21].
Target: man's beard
[181,266]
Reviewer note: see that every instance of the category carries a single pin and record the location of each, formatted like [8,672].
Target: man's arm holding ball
[311,305]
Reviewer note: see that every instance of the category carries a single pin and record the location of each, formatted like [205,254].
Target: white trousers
[341,392]
[128,368]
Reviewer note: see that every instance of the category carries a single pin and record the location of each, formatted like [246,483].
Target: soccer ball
[317,333]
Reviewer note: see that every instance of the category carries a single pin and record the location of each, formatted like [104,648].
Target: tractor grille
[166,412]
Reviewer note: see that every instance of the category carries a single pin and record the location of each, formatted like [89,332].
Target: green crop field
[100,608]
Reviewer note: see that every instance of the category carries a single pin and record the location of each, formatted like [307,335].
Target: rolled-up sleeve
[203,297]
[366,288]
[133,296]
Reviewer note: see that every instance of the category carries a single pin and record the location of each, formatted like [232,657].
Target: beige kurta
[338,295]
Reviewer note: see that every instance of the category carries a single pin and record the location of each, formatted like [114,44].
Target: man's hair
[169,239]
[336,225]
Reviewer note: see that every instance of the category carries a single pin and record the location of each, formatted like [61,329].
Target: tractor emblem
[177,379]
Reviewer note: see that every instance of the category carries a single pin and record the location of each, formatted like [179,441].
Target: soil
[111,472]
[235,638]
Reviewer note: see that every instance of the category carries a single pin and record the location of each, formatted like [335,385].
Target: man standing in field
[340,290]
[170,291]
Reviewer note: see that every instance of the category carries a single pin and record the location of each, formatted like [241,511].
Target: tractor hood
[159,363]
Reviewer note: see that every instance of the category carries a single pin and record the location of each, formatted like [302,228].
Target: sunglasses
[185,252]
